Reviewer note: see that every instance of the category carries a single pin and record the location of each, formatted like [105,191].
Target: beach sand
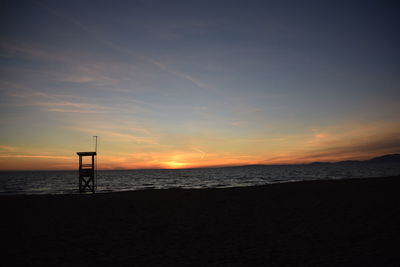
[354,222]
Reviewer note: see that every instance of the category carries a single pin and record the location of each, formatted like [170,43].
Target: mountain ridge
[388,158]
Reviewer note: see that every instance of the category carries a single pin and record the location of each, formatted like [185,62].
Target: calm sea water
[66,182]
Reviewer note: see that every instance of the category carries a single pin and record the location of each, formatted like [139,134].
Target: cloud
[78,71]
[203,154]
[7,148]
[179,74]
[57,102]
[68,18]
[36,156]
[89,75]
[386,144]
[124,50]
[354,141]
[129,137]
[89,69]
[71,69]
[72,110]
[38,94]
[239,123]
[83,77]
[117,136]
[350,141]
[11,48]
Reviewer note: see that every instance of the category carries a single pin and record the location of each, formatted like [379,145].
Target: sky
[182,84]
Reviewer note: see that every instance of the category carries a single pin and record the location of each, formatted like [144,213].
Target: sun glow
[175,165]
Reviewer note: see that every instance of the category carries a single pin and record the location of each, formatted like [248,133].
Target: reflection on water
[66,182]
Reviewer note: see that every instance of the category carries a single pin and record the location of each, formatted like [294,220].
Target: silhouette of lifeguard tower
[86,172]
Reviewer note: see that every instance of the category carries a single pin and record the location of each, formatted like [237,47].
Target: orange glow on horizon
[354,142]
[118,163]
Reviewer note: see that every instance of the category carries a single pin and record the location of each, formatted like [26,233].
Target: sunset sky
[179,84]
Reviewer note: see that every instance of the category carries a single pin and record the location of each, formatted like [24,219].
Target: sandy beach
[353,222]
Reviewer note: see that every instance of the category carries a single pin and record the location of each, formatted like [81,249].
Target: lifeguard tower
[87,172]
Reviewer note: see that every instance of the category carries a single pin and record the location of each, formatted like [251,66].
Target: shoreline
[205,188]
[343,222]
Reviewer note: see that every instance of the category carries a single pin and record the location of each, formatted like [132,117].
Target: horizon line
[211,166]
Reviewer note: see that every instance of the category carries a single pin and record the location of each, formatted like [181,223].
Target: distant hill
[390,158]
[386,158]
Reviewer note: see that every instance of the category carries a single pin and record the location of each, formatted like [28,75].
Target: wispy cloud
[117,135]
[180,74]
[72,68]
[7,148]
[57,103]
[36,156]
[129,137]
[335,143]
[72,110]
[88,74]
[12,48]
[388,143]
[125,50]
[353,141]
[68,18]
[29,93]
[202,153]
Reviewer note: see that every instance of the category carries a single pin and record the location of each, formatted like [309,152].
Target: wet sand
[353,222]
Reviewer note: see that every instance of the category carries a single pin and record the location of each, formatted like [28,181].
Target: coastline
[347,222]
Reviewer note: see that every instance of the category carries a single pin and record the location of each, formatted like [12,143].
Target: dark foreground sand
[322,223]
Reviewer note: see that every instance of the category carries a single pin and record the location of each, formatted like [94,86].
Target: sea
[66,182]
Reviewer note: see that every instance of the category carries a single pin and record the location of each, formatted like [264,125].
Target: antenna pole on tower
[95,146]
